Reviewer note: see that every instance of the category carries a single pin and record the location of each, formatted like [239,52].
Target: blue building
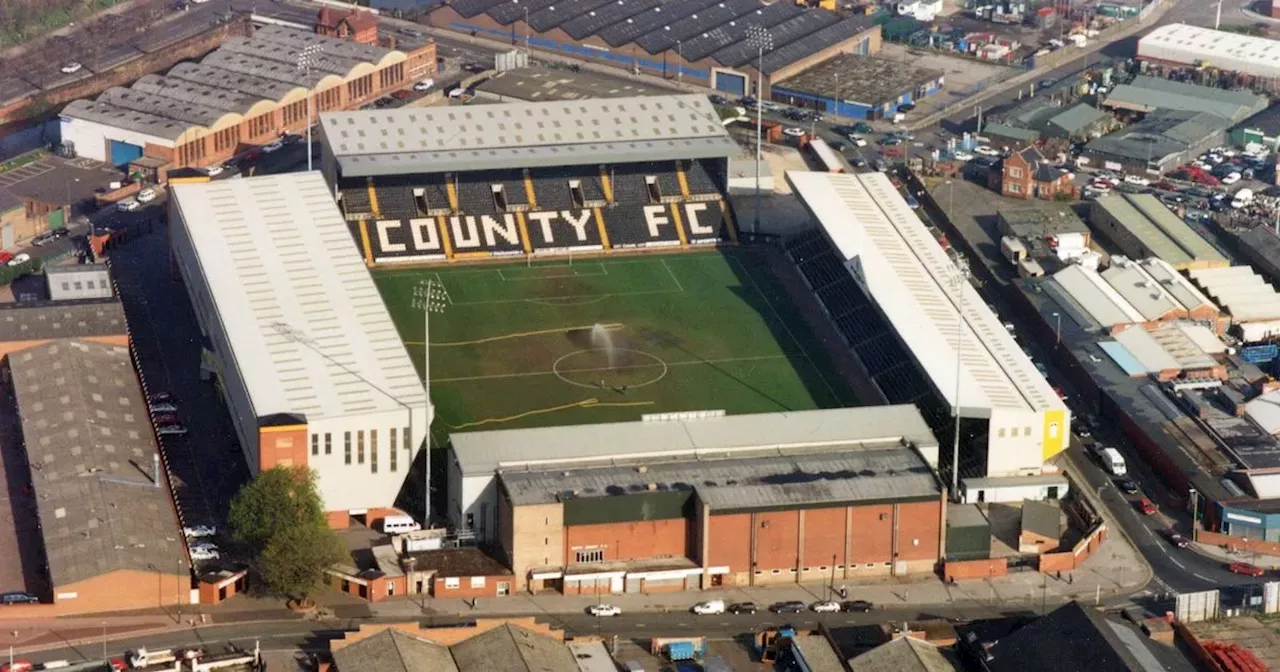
[858,86]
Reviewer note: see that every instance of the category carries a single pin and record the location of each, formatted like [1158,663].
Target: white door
[615,584]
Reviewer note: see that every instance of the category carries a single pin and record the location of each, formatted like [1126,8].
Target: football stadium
[583,257]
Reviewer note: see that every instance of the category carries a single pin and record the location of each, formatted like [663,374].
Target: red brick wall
[777,540]
[124,590]
[439,586]
[975,569]
[729,541]
[824,536]
[338,520]
[631,540]
[282,445]
[1057,562]
[872,537]
[919,530]
[1231,541]
[213,593]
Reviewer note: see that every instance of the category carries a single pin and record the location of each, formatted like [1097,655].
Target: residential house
[355,25]
[1027,174]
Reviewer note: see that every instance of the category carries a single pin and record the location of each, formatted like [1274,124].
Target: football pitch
[610,339]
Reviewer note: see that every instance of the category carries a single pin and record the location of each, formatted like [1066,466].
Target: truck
[143,659]
[1110,459]
[1242,198]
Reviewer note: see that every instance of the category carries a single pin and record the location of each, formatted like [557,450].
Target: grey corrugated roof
[393,650]
[1160,135]
[1045,519]
[510,12]
[732,32]
[1014,132]
[813,43]
[795,28]
[609,443]
[1077,117]
[631,29]
[194,114]
[511,648]
[470,8]
[606,15]
[906,654]
[650,128]
[1164,233]
[561,12]
[90,446]
[679,30]
[62,319]
[119,117]
[231,80]
[197,92]
[1151,93]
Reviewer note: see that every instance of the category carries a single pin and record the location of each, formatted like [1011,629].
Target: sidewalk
[1227,557]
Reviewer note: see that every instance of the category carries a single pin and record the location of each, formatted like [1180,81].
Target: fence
[1193,607]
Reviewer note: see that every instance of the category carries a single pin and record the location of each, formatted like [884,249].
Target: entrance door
[1053,492]
[615,584]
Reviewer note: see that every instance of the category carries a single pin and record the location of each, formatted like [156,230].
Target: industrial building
[1145,95]
[1043,117]
[310,365]
[481,646]
[1144,292]
[534,84]
[1159,143]
[859,87]
[1141,226]
[695,41]
[1251,301]
[702,500]
[250,91]
[1191,46]
[874,247]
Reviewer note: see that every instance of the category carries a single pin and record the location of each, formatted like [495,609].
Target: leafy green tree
[280,519]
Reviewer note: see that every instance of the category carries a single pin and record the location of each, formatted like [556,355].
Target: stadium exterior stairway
[452,190]
[373,200]
[528,190]
[682,179]
[730,226]
[606,184]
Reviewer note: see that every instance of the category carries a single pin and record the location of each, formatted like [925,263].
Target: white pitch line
[527,374]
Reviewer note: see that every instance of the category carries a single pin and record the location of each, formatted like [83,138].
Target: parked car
[128,205]
[202,546]
[166,419]
[1127,486]
[604,610]
[717,99]
[793,132]
[890,140]
[788,607]
[1231,178]
[46,237]
[825,607]
[424,85]
[213,171]
[273,146]
[1177,539]
[402,94]
[860,606]
[857,140]
[63,232]
[198,531]
[1245,568]
[960,155]
[986,151]
[473,67]
[742,608]
[709,607]
[20,259]
[411,32]
[171,430]
[147,195]
[906,107]
[71,67]
[1137,180]
[205,554]
[19,665]
[18,597]
[862,127]
[1147,507]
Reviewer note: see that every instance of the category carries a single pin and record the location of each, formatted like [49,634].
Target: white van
[1242,198]
[709,607]
[1112,461]
[400,525]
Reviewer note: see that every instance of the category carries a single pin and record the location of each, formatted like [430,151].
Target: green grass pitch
[516,345]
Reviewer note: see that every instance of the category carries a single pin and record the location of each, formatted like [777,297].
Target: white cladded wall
[356,486]
[91,138]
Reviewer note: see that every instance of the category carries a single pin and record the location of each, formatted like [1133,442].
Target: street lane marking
[1179,564]
[1203,578]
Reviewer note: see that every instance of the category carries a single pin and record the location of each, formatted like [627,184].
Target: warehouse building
[1148,94]
[874,259]
[695,41]
[1183,45]
[1147,292]
[1251,301]
[701,500]
[311,367]
[859,87]
[1159,143]
[1141,226]
[248,92]
[1043,117]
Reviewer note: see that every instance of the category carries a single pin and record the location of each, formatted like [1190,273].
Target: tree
[280,519]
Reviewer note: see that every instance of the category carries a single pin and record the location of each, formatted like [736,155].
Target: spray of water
[601,339]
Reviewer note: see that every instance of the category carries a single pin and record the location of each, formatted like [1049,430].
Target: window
[328,443]
[1026,431]
[477,582]
[405,434]
[392,442]
[471,520]
[589,555]
[315,444]
[1000,432]
[347,450]
[360,447]
[1015,172]
[1015,188]
[373,451]
[79,285]
[393,453]
[452,583]
[66,286]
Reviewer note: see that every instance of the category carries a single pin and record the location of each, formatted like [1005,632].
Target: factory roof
[596,20]
[193,113]
[263,88]
[1240,291]
[667,36]
[916,286]
[1188,351]
[91,450]
[768,479]
[1174,283]
[732,32]
[518,135]
[196,92]
[1147,94]
[1076,118]
[1162,232]
[629,442]
[306,326]
[1090,293]
[510,12]
[861,79]
[1160,135]
[1033,223]
[1262,247]
[62,319]
[544,84]
[806,46]
[121,117]
[562,12]
[1139,343]
[1188,44]
[1265,411]
[1141,291]
[633,28]
[1012,132]
[742,52]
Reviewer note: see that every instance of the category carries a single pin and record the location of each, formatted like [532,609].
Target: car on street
[859,606]
[743,608]
[273,146]
[1046,83]
[19,665]
[147,195]
[1147,507]
[1176,539]
[709,607]
[44,238]
[1127,486]
[71,68]
[198,531]
[604,610]
[205,554]
[128,205]
[793,132]
[1245,568]
[788,607]
[18,597]
[171,430]
[825,607]
[20,259]
[411,32]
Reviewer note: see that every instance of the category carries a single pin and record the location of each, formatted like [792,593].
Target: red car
[401,95]
[5,256]
[1146,506]
[1244,568]
[21,665]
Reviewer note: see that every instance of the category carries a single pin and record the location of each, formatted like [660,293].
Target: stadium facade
[530,179]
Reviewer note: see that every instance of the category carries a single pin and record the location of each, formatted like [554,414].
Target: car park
[825,607]
[742,608]
[20,259]
[858,606]
[128,205]
[147,195]
[604,610]
[273,146]
[18,597]
[1245,568]
[788,607]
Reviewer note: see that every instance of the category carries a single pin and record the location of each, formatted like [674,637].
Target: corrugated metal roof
[912,280]
[1147,350]
[1140,290]
[606,15]
[1182,43]
[1076,118]
[1123,358]
[1176,284]
[119,117]
[733,32]
[608,443]
[1147,94]
[1161,231]
[1182,347]
[1203,337]
[308,330]
[515,135]
[1265,412]
[1241,291]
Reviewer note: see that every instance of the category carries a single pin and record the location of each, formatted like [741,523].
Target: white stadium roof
[1181,43]
[307,328]
[911,279]
[525,135]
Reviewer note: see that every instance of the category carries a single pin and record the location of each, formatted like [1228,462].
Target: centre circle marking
[555,368]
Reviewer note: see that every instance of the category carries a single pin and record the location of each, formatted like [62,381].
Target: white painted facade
[93,140]
[1017,489]
[82,281]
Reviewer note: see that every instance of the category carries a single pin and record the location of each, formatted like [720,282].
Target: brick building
[356,25]
[1027,174]
[482,646]
[696,503]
